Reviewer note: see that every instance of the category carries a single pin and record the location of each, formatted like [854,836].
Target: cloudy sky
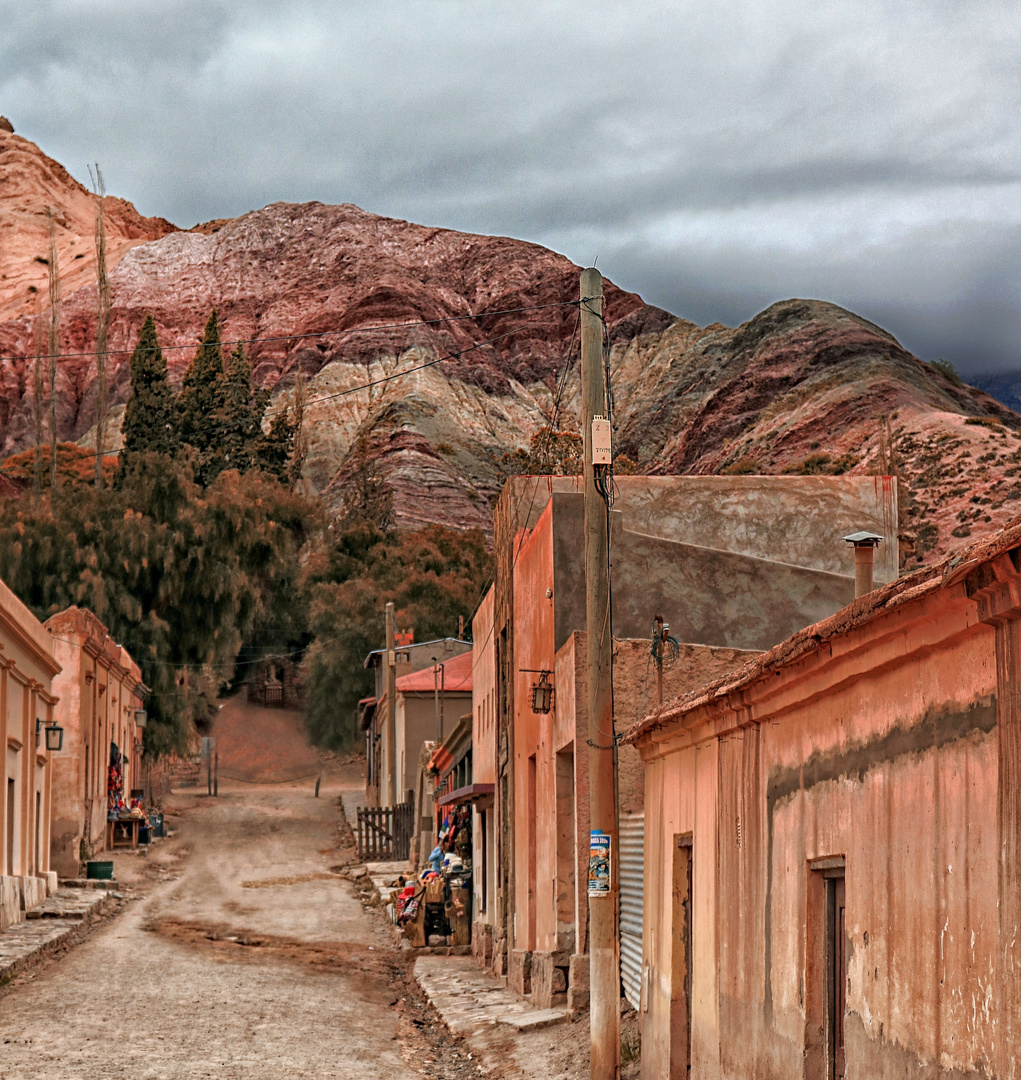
[714,156]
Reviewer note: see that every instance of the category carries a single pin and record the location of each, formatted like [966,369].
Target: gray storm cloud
[714,157]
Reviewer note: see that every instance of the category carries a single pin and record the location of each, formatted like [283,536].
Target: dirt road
[243,957]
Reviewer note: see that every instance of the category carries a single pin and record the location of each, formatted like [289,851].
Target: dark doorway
[38,832]
[681,965]
[563,886]
[10,827]
[484,869]
[530,789]
[836,957]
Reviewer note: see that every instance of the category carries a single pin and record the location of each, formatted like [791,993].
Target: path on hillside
[248,959]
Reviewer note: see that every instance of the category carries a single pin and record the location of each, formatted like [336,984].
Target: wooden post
[604,970]
[391,708]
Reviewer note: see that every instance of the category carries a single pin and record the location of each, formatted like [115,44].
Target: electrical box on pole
[602,452]
[604,873]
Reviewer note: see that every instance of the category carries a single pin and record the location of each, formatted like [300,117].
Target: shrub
[947,370]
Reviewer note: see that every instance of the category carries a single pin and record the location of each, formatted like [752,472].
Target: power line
[307,336]
[535,490]
[378,382]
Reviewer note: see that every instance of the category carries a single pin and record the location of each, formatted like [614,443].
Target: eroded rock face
[29,183]
[807,386]
[328,292]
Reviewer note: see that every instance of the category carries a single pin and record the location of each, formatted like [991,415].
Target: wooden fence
[384,832]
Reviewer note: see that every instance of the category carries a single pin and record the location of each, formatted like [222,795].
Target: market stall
[127,823]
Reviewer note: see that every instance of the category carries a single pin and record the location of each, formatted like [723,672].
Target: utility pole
[604,945]
[391,708]
[436,701]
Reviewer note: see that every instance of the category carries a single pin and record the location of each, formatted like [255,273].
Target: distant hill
[1005,386]
[805,386]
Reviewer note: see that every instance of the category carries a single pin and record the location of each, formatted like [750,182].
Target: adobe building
[415,719]
[733,564]
[833,865]
[485,850]
[27,670]
[100,689]
[453,793]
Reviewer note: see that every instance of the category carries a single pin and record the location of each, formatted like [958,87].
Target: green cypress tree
[149,424]
[275,447]
[200,403]
[240,420]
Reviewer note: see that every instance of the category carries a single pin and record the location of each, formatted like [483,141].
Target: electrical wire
[372,382]
[535,490]
[300,337]
[454,355]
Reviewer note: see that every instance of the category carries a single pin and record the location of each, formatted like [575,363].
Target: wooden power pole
[391,709]
[604,946]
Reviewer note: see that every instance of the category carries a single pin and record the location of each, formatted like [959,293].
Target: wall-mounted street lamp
[141,717]
[542,694]
[54,734]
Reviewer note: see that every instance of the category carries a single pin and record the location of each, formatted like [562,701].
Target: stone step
[536,1019]
[20,943]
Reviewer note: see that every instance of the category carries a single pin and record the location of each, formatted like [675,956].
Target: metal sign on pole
[603,890]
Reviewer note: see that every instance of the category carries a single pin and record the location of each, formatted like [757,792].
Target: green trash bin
[99,870]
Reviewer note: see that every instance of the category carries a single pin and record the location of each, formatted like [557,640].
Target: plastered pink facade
[27,669]
[551,795]
[840,823]
[485,844]
[99,690]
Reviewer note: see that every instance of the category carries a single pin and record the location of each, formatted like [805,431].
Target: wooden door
[680,976]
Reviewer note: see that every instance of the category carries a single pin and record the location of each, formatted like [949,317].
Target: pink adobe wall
[97,691]
[533,649]
[484,705]
[68,813]
[566,729]
[883,753]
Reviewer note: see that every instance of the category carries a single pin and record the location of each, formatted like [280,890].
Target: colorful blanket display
[441,892]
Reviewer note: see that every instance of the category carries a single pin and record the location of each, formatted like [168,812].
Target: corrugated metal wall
[632,884]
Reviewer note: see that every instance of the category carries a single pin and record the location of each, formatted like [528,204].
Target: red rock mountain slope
[804,386]
[30,182]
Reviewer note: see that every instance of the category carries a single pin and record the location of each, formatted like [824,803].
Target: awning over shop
[473,793]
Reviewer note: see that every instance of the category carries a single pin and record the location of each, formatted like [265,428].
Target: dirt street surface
[238,954]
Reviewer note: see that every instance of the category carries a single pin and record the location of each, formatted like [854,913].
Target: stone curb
[48,931]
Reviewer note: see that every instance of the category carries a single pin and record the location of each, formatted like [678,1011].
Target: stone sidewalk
[59,920]
[468,997]
[506,1035]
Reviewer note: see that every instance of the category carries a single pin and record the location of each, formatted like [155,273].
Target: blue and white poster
[599,863]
